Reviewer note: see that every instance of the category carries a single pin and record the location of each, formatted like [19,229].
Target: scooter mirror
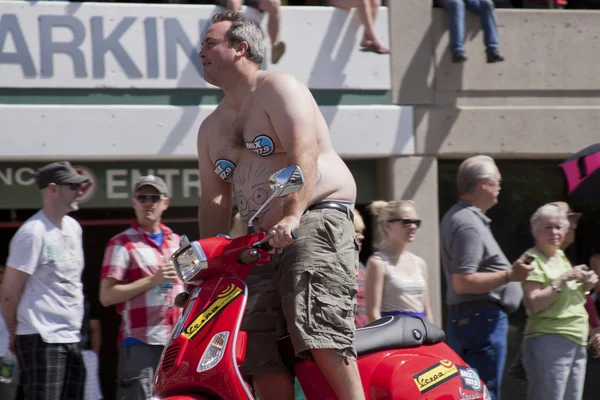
[287,181]
[283,183]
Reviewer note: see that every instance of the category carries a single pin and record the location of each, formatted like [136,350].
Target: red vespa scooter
[399,358]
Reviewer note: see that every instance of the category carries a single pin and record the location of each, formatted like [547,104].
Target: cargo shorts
[309,290]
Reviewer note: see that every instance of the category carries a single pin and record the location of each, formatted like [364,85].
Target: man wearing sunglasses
[138,277]
[42,298]
[482,286]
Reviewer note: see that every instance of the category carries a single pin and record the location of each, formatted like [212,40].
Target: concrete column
[412,52]
[416,178]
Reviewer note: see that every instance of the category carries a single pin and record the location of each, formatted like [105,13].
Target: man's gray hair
[243,29]
[472,170]
[548,211]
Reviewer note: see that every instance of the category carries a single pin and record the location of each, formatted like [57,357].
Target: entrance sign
[111,183]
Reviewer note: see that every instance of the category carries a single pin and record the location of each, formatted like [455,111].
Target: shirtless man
[268,121]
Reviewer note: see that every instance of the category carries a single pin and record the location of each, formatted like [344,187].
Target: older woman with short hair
[556,334]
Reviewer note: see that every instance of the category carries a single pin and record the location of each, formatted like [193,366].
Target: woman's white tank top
[402,292]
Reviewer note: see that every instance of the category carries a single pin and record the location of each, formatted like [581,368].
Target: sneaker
[459,56]
[494,56]
[277,51]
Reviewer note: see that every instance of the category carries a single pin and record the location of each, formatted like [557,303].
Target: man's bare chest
[255,133]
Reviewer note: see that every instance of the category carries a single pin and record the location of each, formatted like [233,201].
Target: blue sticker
[263,145]
[224,168]
[470,379]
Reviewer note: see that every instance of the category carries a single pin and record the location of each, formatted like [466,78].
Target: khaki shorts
[310,289]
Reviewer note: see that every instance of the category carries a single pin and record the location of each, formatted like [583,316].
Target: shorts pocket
[332,232]
[330,306]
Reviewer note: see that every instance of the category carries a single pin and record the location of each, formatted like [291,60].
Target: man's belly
[251,187]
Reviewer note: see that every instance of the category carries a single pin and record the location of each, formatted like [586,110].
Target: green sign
[111,183]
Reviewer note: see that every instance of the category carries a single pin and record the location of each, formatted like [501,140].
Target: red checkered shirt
[132,255]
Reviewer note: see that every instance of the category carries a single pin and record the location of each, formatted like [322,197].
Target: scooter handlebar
[264,243]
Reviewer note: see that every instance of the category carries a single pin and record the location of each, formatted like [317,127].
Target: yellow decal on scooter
[223,299]
[435,375]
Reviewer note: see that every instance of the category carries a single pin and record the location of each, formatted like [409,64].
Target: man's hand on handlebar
[282,234]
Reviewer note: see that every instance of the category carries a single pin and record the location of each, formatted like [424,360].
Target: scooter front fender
[214,309]
[183,397]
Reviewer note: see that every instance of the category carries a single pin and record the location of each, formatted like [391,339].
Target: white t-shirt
[52,300]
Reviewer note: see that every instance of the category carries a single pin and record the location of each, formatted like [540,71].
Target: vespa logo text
[468,396]
[224,298]
[435,375]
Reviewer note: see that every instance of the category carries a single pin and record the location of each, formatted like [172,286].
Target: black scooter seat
[395,333]
[387,333]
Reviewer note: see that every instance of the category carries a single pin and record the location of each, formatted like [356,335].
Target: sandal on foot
[375,48]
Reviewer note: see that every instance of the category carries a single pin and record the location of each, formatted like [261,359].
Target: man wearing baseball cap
[138,277]
[42,298]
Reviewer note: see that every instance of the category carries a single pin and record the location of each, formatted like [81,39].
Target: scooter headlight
[214,352]
[189,259]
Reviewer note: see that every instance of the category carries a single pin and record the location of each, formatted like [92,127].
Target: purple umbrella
[582,171]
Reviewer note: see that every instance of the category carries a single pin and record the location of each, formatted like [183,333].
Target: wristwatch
[555,288]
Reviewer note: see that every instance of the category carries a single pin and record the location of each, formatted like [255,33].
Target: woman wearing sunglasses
[396,282]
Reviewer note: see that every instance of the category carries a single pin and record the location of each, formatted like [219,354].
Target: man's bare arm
[291,109]
[484,282]
[12,289]
[113,291]
[479,282]
[216,200]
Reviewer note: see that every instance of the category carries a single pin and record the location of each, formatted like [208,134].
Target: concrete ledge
[169,132]
[544,50]
[509,132]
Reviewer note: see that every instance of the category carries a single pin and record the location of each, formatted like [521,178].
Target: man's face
[149,205]
[64,196]
[491,187]
[216,55]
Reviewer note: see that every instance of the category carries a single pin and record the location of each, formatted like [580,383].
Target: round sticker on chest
[224,169]
[263,145]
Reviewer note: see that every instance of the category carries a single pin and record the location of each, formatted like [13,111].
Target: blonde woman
[396,282]
[556,334]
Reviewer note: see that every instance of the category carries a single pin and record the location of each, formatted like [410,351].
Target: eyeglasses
[141,198]
[406,222]
[73,186]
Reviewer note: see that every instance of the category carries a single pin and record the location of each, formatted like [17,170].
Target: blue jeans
[456,22]
[479,337]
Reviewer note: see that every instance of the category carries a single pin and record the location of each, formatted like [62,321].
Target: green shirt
[566,315]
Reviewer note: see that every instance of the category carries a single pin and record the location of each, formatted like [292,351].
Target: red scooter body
[215,308]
